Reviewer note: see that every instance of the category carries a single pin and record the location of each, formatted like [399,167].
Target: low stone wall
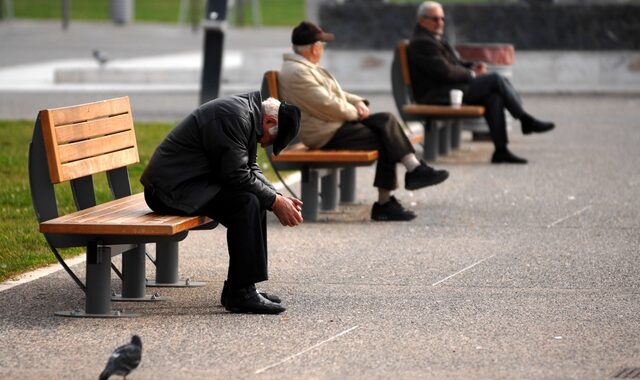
[372,25]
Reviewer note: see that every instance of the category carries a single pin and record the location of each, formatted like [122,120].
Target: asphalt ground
[508,272]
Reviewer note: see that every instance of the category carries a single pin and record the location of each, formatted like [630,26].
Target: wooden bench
[72,145]
[437,140]
[320,168]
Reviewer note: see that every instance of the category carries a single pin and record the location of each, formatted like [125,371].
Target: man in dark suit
[436,69]
[207,166]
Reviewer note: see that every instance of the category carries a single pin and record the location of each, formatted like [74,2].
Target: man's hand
[363,110]
[288,210]
[480,68]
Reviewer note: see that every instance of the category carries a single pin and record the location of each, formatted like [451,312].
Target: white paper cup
[455,96]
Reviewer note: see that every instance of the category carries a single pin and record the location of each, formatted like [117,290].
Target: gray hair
[298,49]
[270,107]
[425,7]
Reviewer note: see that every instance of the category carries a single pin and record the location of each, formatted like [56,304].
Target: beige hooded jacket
[324,105]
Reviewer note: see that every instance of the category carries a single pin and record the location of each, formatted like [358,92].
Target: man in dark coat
[436,68]
[207,166]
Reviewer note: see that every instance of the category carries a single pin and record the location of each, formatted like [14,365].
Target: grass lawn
[273,12]
[22,247]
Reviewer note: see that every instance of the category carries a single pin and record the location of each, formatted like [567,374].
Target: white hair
[298,49]
[270,107]
[425,7]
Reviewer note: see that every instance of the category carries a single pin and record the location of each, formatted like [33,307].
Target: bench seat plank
[443,111]
[124,216]
[300,153]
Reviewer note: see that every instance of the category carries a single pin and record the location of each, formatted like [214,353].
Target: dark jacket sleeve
[233,144]
[426,55]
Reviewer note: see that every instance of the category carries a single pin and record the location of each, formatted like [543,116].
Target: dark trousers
[380,131]
[495,93]
[246,223]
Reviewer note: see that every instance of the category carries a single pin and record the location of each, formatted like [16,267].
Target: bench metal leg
[348,185]
[444,139]
[167,268]
[133,278]
[309,192]
[430,141]
[329,192]
[456,134]
[98,292]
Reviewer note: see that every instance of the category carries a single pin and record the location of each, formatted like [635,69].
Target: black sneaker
[423,176]
[391,211]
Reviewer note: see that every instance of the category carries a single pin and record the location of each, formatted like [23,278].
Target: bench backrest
[401,81]
[88,138]
[71,144]
[270,88]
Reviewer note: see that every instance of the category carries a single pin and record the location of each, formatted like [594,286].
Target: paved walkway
[507,273]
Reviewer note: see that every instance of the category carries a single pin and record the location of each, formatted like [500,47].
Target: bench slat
[80,131]
[443,111]
[305,154]
[97,146]
[90,111]
[77,169]
[124,216]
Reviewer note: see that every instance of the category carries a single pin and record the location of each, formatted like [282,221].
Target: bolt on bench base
[146,298]
[82,314]
[167,268]
[179,284]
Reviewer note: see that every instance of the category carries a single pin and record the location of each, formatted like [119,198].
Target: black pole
[65,14]
[214,23]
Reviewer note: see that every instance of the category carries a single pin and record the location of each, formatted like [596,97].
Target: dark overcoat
[435,68]
[215,147]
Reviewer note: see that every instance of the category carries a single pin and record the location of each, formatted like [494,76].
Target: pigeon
[101,57]
[124,359]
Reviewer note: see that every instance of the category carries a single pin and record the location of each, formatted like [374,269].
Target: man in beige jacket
[335,119]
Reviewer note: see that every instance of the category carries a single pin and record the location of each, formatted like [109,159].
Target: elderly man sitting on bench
[207,166]
[436,69]
[335,119]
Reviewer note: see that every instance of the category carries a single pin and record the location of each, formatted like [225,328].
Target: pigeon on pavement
[101,57]
[124,359]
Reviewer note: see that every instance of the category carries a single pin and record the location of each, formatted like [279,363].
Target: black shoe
[391,211]
[532,125]
[504,156]
[423,176]
[225,294]
[248,300]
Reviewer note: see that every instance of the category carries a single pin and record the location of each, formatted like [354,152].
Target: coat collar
[420,32]
[293,57]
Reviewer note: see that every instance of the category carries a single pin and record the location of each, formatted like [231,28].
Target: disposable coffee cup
[455,96]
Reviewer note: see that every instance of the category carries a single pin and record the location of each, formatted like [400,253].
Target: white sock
[384,196]
[410,162]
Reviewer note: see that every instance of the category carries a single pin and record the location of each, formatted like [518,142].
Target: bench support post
[444,138]
[329,190]
[133,278]
[167,268]
[98,280]
[133,273]
[309,192]
[348,185]
[456,134]
[431,140]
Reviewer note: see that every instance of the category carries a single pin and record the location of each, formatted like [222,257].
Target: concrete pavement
[509,272]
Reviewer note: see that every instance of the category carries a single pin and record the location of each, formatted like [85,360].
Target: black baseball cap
[288,126]
[307,33]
